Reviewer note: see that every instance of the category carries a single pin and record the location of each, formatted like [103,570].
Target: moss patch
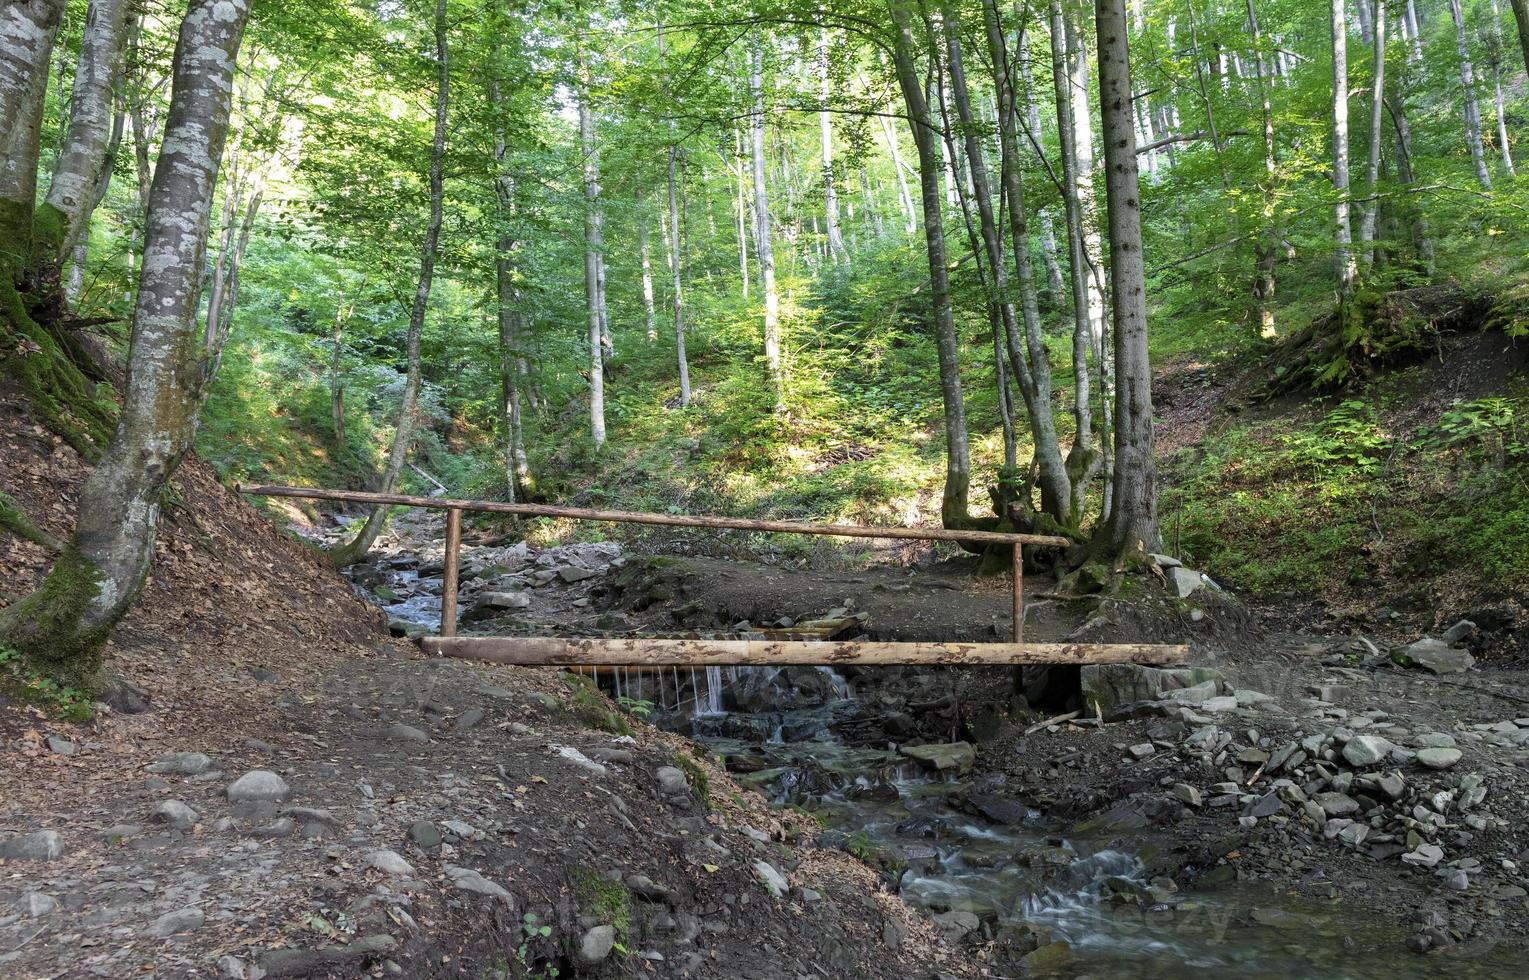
[591,709]
[603,898]
[47,629]
[15,520]
[700,782]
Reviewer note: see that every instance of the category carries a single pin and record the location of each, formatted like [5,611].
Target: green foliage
[1347,440]
[592,709]
[700,782]
[637,707]
[532,932]
[22,683]
[602,898]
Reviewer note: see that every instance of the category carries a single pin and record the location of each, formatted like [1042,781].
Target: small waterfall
[714,690]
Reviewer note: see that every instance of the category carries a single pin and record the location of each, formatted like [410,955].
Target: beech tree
[62,627]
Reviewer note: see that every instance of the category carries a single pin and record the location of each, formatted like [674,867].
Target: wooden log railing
[624,652]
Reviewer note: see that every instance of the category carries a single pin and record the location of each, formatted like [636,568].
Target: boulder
[1364,751]
[1111,687]
[1433,655]
[943,756]
[258,786]
[45,845]
[596,945]
[672,781]
[1184,582]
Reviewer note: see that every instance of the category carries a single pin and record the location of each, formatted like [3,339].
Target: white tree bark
[83,159]
[899,168]
[762,243]
[1472,106]
[1345,235]
[594,242]
[1371,205]
[677,288]
[27,32]
[1494,62]
[1043,216]
[1132,525]
[645,258]
[826,140]
[1265,247]
[64,625]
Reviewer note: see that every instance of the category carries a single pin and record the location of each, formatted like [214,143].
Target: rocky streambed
[1304,806]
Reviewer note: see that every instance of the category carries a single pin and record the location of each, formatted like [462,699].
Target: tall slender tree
[1471,106]
[1340,136]
[1377,121]
[763,246]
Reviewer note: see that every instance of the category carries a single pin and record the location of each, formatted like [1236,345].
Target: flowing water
[1018,872]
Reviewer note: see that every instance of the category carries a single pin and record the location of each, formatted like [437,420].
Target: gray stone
[177,814]
[310,962]
[459,828]
[943,756]
[595,945]
[1197,694]
[1186,793]
[672,781]
[1392,785]
[425,835]
[280,827]
[1435,740]
[44,845]
[1336,804]
[38,905]
[1184,582]
[60,746]
[572,573]
[569,754]
[1438,758]
[774,882]
[1266,806]
[389,862]
[1111,687]
[406,733]
[181,764]
[1424,855]
[1166,561]
[1364,751]
[1457,880]
[1141,750]
[259,786]
[469,880]
[1433,655]
[1462,630]
[173,923]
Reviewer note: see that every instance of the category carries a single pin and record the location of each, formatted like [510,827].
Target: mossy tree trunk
[62,627]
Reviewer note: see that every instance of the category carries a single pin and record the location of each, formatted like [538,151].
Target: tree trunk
[1396,106]
[357,548]
[1472,107]
[507,300]
[649,311]
[954,505]
[62,627]
[1371,207]
[1060,496]
[1266,246]
[1345,235]
[1132,525]
[27,32]
[1521,17]
[762,244]
[743,212]
[677,287]
[825,136]
[1048,227]
[80,165]
[1494,52]
[337,379]
[899,168]
[594,241]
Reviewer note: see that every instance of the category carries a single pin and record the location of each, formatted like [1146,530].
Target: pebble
[258,785]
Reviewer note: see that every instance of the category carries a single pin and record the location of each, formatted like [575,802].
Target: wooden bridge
[629,652]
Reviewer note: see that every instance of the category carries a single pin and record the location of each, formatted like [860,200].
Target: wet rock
[943,756]
[596,944]
[1433,655]
[259,786]
[774,882]
[1438,758]
[1364,751]
[44,845]
[174,923]
[181,764]
[957,922]
[177,814]
[1000,809]
[389,862]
